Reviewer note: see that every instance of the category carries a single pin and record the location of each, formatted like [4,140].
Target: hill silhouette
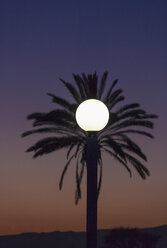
[70,239]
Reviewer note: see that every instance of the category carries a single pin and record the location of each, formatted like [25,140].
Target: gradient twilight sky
[44,40]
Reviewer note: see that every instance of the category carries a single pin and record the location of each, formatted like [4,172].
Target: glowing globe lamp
[92,115]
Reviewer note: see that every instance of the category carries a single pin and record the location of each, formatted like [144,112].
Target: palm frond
[132,147]
[55,117]
[63,103]
[85,78]
[79,176]
[117,100]
[46,130]
[147,116]
[102,84]
[72,90]
[113,97]
[81,86]
[35,115]
[78,189]
[70,149]
[133,131]
[114,146]
[132,122]
[85,82]
[64,171]
[114,155]
[92,85]
[140,168]
[127,107]
[50,144]
[135,113]
[110,90]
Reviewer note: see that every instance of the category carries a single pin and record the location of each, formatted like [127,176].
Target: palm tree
[114,139]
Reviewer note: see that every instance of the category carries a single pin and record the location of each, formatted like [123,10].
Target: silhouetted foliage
[130,238]
[113,139]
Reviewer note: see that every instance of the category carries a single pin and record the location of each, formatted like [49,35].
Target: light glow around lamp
[92,115]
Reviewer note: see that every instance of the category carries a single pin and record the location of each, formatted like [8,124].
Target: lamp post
[92,116]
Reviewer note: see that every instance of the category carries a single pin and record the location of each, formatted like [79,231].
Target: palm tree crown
[113,139]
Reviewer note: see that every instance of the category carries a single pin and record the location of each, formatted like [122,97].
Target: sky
[44,40]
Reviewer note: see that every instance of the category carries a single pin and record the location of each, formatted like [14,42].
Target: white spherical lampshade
[92,115]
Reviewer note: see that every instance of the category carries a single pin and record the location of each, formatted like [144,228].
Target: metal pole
[91,159]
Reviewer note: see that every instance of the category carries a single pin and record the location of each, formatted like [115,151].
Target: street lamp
[92,116]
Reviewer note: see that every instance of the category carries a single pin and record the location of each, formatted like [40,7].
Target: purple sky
[44,40]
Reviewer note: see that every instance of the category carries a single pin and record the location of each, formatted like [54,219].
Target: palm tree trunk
[91,157]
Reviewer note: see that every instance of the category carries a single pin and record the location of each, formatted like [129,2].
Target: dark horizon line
[70,231]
